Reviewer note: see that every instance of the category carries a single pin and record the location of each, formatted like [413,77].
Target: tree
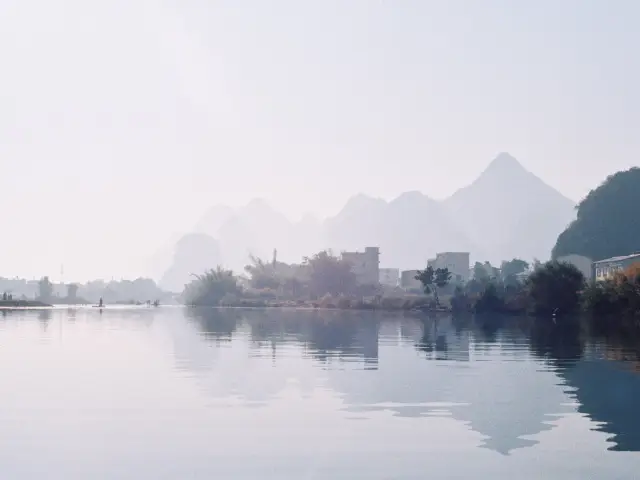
[555,288]
[263,274]
[607,220]
[480,273]
[45,289]
[615,301]
[211,287]
[483,272]
[433,279]
[329,274]
[513,267]
[632,272]
[490,300]
[292,286]
[493,272]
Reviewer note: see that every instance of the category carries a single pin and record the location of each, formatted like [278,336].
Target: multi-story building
[389,277]
[603,269]
[456,262]
[365,265]
[408,280]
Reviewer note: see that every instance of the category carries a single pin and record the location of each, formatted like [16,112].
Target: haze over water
[177,393]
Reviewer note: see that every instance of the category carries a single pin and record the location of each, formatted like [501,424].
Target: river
[174,393]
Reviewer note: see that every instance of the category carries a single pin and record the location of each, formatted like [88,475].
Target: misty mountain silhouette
[408,230]
[193,254]
[510,212]
[506,212]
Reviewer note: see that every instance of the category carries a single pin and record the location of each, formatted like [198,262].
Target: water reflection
[520,376]
[486,387]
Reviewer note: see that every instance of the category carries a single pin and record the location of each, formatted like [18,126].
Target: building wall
[456,262]
[390,277]
[584,264]
[408,280]
[365,265]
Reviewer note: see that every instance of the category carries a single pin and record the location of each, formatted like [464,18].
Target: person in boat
[100,304]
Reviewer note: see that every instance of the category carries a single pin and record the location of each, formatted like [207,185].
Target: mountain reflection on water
[508,379]
[233,393]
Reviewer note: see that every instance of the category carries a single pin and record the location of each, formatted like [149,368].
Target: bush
[554,288]
[617,298]
[490,300]
[211,287]
[419,302]
[460,301]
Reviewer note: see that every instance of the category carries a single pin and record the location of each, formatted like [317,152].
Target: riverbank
[22,304]
[388,304]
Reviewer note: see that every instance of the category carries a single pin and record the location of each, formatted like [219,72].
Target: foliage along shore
[22,304]
[552,290]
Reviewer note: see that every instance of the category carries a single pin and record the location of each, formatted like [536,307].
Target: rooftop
[619,259]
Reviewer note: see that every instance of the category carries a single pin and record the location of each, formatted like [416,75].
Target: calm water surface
[171,393]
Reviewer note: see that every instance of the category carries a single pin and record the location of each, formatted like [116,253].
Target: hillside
[608,221]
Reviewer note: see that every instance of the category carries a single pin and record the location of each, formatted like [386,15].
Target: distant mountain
[506,212]
[257,229]
[193,254]
[213,219]
[509,212]
[409,230]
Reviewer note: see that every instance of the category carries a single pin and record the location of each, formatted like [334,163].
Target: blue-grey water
[172,393]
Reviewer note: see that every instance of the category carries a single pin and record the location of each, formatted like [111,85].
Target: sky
[122,121]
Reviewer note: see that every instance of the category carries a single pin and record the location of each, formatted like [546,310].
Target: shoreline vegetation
[23,304]
[554,290]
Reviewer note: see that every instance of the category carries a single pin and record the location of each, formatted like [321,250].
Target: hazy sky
[121,121]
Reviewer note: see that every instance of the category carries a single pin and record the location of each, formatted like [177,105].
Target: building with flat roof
[607,268]
[390,277]
[408,280]
[365,265]
[456,262]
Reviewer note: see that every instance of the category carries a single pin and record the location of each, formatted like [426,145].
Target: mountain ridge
[506,212]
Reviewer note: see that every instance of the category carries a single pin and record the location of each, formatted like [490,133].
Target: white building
[456,262]
[408,280]
[607,268]
[365,265]
[390,277]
